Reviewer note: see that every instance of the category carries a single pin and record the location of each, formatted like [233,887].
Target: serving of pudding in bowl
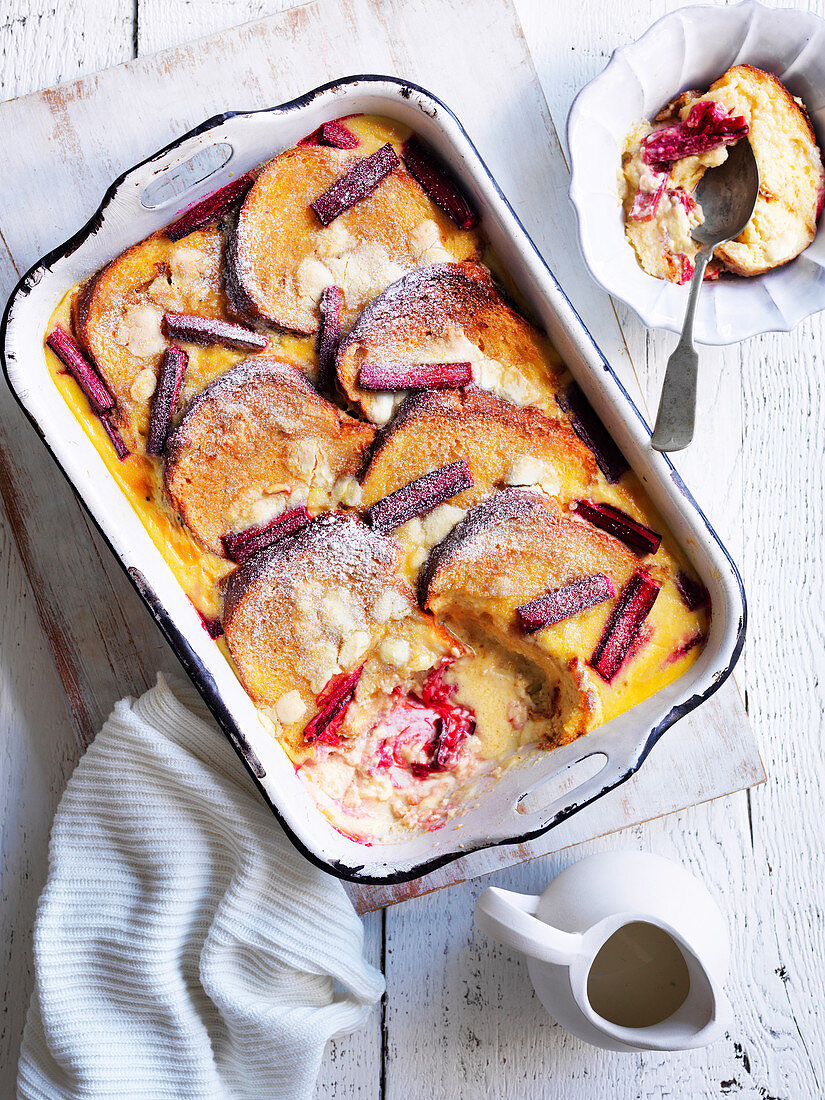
[663,111]
[664,161]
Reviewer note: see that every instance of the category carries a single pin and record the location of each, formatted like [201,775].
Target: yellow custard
[362,794]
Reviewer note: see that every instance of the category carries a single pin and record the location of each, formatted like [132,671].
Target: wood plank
[39,744]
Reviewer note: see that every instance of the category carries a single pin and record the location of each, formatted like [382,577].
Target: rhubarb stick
[121,450]
[329,336]
[65,347]
[360,181]
[165,399]
[646,203]
[692,642]
[209,209]
[240,545]
[562,603]
[623,626]
[619,524]
[693,592]
[414,376]
[334,701]
[593,433]
[439,184]
[707,126]
[455,723]
[335,134]
[213,627]
[419,496]
[212,330]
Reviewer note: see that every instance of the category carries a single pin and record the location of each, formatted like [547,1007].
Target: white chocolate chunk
[290,708]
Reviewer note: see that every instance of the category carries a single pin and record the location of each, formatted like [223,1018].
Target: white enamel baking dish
[525,801]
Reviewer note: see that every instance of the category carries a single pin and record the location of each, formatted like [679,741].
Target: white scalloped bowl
[690,48]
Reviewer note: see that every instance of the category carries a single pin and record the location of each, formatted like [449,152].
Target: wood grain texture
[461,1019]
[39,743]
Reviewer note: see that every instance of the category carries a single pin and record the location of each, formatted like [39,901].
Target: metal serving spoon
[727,195]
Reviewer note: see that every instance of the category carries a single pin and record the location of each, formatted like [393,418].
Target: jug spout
[510,918]
[720,1021]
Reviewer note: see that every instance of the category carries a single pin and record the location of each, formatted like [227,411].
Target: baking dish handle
[571,786]
[175,179]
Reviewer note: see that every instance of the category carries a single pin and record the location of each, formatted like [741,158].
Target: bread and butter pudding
[395,511]
[664,161]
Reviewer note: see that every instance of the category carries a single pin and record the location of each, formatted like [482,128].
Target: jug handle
[510,918]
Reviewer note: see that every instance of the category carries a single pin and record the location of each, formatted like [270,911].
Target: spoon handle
[677,405]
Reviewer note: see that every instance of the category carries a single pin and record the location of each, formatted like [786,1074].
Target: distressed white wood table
[460,1018]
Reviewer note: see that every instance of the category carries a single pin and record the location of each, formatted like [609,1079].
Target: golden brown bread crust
[498,440]
[258,430]
[321,602]
[513,547]
[119,312]
[449,305]
[277,232]
[784,144]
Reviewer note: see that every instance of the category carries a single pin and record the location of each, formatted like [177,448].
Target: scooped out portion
[577,606]
[330,643]
[445,314]
[257,441]
[664,162]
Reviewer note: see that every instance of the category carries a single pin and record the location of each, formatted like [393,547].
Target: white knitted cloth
[183,948]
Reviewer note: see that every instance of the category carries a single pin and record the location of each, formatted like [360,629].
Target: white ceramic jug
[631,934]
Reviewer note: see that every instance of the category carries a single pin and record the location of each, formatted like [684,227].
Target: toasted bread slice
[791,174]
[327,600]
[119,312]
[255,440]
[449,312]
[281,257]
[502,444]
[514,547]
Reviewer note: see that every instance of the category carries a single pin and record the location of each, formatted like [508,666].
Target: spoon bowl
[727,196]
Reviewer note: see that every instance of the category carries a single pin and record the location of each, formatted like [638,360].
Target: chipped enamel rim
[493,818]
[690,48]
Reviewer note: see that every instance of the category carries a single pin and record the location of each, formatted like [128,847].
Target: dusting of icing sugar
[440,299]
[327,573]
[479,529]
[362,268]
[251,372]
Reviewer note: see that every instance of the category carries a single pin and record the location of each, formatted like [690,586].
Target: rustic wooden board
[103,644]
